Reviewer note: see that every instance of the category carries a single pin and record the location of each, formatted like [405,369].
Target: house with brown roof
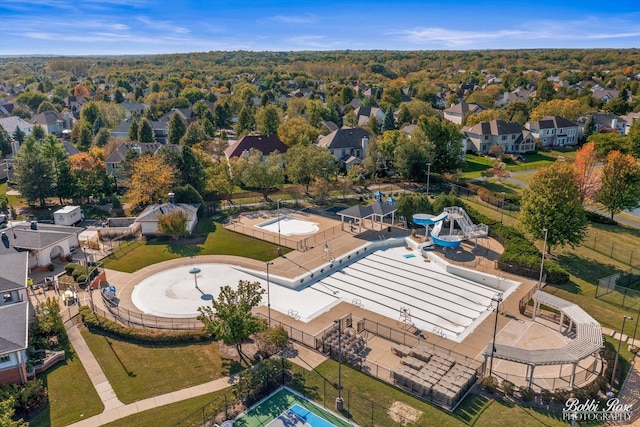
[456,112]
[266,144]
[348,145]
[554,131]
[511,136]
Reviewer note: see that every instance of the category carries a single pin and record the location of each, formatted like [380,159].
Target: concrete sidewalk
[115,410]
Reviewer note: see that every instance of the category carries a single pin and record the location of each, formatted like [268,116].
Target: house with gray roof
[45,243]
[348,145]
[554,131]
[456,112]
[605,122]
[15,311]
[11,123]
[115,159]
[52,122]
[160,129]
[511,136]
[148,218]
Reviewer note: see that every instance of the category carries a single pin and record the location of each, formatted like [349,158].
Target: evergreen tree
[192,170]
[38,132]
[405,115]
[389,121]
[5,142]
[268,120]
[177,129]
[98,124]
[118,97]
[18,135]
[194,135]
[246,121]
[133,131]
[33,172]
[145,131]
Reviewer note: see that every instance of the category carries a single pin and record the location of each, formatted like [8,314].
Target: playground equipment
[457,215]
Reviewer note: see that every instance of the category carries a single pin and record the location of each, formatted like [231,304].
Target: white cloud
[293,19]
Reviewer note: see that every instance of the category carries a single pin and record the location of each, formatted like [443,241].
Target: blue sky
[85,27]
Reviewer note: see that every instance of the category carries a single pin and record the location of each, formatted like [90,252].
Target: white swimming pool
[289,226]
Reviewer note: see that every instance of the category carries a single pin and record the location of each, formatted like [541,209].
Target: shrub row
[520,255]
[600,219]
[100,324]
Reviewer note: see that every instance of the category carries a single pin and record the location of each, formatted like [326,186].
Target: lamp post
[195,271]
[636,329]
[497,299]
[544,249]
[278,205]
[428,176]
[615,363]
[339,401]
[269,293]
[502,209]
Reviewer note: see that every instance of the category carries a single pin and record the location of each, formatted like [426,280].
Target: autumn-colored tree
[585,164]
[151,179]
[500,171]
[173,223]
[484,116]
[569,109]
[552,201]
[620,183]
[81,90]
[89,176]
[297,131]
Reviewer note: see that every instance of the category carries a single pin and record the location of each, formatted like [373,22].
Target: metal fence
[134,319]
[615,290]
[300,245]
[488,200]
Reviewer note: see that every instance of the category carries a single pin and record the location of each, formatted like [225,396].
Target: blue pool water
[312,419]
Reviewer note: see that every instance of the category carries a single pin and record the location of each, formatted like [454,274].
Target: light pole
[497,299]
[615,363]
[428,176]
[502,209]
[278,205]
[269,293]
[339,401]
[195,271]
[544,249]
[636,330]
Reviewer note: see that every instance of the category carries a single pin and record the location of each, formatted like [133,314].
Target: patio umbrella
[109,288]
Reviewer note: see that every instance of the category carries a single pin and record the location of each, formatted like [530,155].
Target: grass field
[138,371]
[71,394]
[219,241]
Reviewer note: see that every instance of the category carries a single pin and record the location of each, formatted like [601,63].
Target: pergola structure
[588,339]
[376,212]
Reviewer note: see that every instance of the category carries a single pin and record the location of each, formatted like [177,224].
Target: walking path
[115,410]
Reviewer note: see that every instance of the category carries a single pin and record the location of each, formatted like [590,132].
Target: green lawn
[219,242]
[167,415]
[138,371]
[71,395]
[475,409]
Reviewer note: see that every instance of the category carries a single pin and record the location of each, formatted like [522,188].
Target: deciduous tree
[263,175]
[306,162]
[296,131]
[151,179]
[173,223]
[585,164]
[230,318]
[552,201]
[620,183]
[89,176]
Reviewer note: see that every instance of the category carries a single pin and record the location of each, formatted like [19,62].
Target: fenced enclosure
[615,290]
[268,376]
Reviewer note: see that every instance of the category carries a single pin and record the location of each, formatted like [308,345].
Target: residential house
[605,95]
[115,159]
[605,122]
[630,119]
[187,115]
[148,219]
[511,136]
[74,104]
[160,129]
[11,123]
[520,94]
[456,112]
[364,114]
[15,313]
[134,107]
[45,243]
[266,144]
[554,131]
[348,145]
[52,122]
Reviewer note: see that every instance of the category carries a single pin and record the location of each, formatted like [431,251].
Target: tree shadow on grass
[184,250]
[584,268]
